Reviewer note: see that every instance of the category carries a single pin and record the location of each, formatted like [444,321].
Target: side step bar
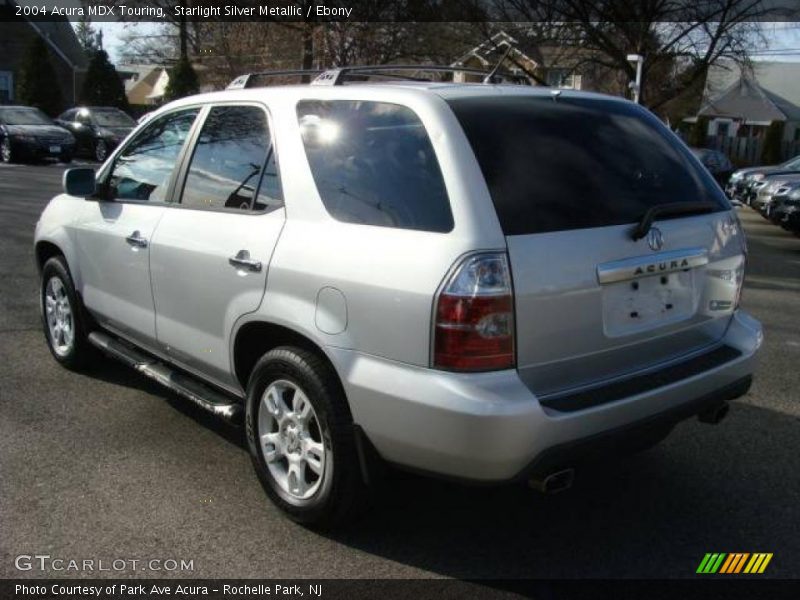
[199,393]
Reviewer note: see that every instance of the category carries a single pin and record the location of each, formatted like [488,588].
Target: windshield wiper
[671,209]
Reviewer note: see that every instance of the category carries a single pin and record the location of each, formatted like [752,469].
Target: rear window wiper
[671,209]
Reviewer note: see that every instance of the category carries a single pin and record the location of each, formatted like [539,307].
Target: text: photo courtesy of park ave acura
[387,290]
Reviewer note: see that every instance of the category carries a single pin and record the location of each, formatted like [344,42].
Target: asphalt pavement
[107,465]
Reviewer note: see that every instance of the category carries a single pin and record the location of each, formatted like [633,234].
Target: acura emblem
[655,239]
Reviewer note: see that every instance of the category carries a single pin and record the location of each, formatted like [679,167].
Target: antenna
[490,76]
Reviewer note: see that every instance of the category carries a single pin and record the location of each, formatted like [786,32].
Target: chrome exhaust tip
[714,415]
[555,482]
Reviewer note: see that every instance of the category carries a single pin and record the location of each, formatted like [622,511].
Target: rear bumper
[489,427]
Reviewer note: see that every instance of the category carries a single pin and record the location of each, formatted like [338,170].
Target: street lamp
[637,84]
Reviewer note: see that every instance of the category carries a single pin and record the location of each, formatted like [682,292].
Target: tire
[68,345]
[322,450]
[100,151]
[6,151]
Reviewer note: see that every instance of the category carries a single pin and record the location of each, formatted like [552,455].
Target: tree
[182,80]
[38,83]
[90,40]
[679,39]
[102,86]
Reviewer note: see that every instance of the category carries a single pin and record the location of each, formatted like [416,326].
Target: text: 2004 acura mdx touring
[486,282]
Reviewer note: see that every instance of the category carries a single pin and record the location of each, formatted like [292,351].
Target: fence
[746,151]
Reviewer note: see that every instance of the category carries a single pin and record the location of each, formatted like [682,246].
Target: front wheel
[100,150]
[62,316]
[301,439]
[6,152]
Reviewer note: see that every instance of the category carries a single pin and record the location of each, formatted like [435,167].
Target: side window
[374,164]
[233,165]
[142,171]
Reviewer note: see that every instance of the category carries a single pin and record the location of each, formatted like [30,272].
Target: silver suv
[484,282]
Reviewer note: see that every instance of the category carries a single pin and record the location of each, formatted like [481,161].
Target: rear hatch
[571,177]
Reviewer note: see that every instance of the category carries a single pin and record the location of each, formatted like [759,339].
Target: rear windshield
[113,118]
[24,116]
[573,163]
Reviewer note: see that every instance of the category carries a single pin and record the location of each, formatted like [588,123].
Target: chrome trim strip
[653,264]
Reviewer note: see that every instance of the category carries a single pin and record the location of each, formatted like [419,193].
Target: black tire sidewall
[323,391]
[78,354]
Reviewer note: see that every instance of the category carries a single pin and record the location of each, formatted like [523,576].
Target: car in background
[26,133]
[765,191]
[745,182]
[717,163]
[785,207]
[97,129]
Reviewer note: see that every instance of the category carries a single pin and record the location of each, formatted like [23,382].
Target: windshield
[24,116]
[112,118]
[575,163]
[792,163]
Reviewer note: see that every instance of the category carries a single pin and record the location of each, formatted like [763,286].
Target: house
[145,84]
[66,55]
[743,102]
[552,66]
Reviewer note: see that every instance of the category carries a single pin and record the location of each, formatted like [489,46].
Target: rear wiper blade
[671,209]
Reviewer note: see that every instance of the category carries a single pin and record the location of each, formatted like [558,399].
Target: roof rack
[339,75]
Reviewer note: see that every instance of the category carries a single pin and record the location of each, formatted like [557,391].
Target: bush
[102,86]
[38,83]
[182,81]
[771,152]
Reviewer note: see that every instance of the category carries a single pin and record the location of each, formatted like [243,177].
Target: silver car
[484,282]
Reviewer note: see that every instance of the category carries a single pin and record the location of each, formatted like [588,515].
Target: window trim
[104,174]
[186,159]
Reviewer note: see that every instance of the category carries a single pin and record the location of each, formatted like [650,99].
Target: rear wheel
[63,316]
[301,439]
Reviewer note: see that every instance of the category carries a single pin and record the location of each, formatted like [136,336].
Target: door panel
[198,293]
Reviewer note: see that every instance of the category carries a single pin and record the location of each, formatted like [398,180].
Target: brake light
[474,316]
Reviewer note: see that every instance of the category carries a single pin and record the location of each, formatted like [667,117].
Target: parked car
[741,184]
[26,133]
[763,195]
[447,278]
[717,163]
[97,129]
[785,204]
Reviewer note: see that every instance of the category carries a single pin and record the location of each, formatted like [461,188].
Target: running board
[199,393]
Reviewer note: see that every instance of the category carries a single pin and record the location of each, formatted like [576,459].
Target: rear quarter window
[573,163]
[373,164]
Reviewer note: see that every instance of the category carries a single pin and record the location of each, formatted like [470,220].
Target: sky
[784,39]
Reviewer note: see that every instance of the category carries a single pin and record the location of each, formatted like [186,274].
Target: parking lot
[107,465]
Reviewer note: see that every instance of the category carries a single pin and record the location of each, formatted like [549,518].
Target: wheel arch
[45,250]
[253,339]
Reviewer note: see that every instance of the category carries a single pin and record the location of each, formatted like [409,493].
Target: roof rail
[338,76]
[246,80]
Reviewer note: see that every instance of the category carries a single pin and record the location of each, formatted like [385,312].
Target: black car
[97,129]
[28,133]
[716,162]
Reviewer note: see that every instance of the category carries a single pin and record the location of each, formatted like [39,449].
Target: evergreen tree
[102,86]
[182,80]
[38,84]
[90,40]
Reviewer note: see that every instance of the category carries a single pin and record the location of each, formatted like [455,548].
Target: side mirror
[79,182]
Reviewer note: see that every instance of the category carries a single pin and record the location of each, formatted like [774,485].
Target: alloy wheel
[290,439]
[60,321]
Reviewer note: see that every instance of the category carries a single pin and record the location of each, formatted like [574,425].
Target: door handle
[136,239]
[242,260]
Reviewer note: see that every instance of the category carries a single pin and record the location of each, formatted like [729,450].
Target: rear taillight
[474,316]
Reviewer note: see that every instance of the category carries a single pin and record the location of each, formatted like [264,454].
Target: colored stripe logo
[734,563]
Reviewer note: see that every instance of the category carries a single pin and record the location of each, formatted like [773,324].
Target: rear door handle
[242,260]
[136,239]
